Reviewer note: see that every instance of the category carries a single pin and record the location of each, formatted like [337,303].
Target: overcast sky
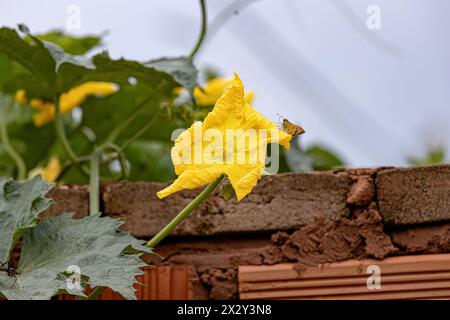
[375,96]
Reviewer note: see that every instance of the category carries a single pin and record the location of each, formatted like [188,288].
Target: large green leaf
[61,57]
[435,155]
[105,256]
[150,160]
[20,203]
[75,45]
[312,158]
[53,71]
[8,69]
[93,244]
[32,143]
[34,58]
[182,69]
[47,71]
[323,158]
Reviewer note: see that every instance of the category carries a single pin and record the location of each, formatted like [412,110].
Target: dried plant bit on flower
[226,190]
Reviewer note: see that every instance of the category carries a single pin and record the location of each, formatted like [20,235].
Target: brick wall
[302,218]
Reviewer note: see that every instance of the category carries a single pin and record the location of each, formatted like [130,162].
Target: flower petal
[244,177]
[233,119]
[191,179]
[229,105]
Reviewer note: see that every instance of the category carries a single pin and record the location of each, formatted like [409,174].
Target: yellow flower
[232,117]
[50,172]
[20,96]
[213,90]
[67,101]
[45,114]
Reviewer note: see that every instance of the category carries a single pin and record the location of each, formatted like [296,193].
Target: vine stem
[94,184]
[4,136]
[61,135]
[202,31]
[118,130]
[141,131]
[183,214]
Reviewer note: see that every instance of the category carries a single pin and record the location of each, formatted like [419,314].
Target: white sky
[374,96]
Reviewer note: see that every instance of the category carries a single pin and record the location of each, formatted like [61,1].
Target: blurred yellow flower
[50,172]
[213,90]
[20,96]
[68,100]
[231,117]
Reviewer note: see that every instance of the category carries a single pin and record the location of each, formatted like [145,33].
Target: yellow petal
[67,101]
[231,113]
[228,108]
[45,112]
[255,120]
[77,95]
[50,172]
[191,179]
[244,177]
[21,97]
[249,97]
[211,92]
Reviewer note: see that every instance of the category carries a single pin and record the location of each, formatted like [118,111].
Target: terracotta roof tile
[408,277]
[158,283]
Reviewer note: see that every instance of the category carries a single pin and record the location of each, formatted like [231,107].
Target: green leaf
[323,158]
[51,71]
[57,52]
[312,158]
[182,69]
[209,73]
[93,244]
[7,69]
[34,58]
[295,159]
[71,44]
[61,57]
[20,204]
[150,161]
[106,69]
[33,144]
[435,155]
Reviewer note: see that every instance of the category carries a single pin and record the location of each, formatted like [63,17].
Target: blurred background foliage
[151,102]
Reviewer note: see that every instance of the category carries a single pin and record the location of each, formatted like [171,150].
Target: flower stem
[202,31]
[94,184]
[4,136]
[61,135]
[183,214]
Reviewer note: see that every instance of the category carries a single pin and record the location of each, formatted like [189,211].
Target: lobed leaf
[105,256]
[182,69]
[71,44]
[20,204]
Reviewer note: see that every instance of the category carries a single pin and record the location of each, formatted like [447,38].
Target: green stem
[15,156]
[183,214]
[96,293]
[120,156]
[118,130]
[202,31]
[140,132]
[61,135]
[94,184]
